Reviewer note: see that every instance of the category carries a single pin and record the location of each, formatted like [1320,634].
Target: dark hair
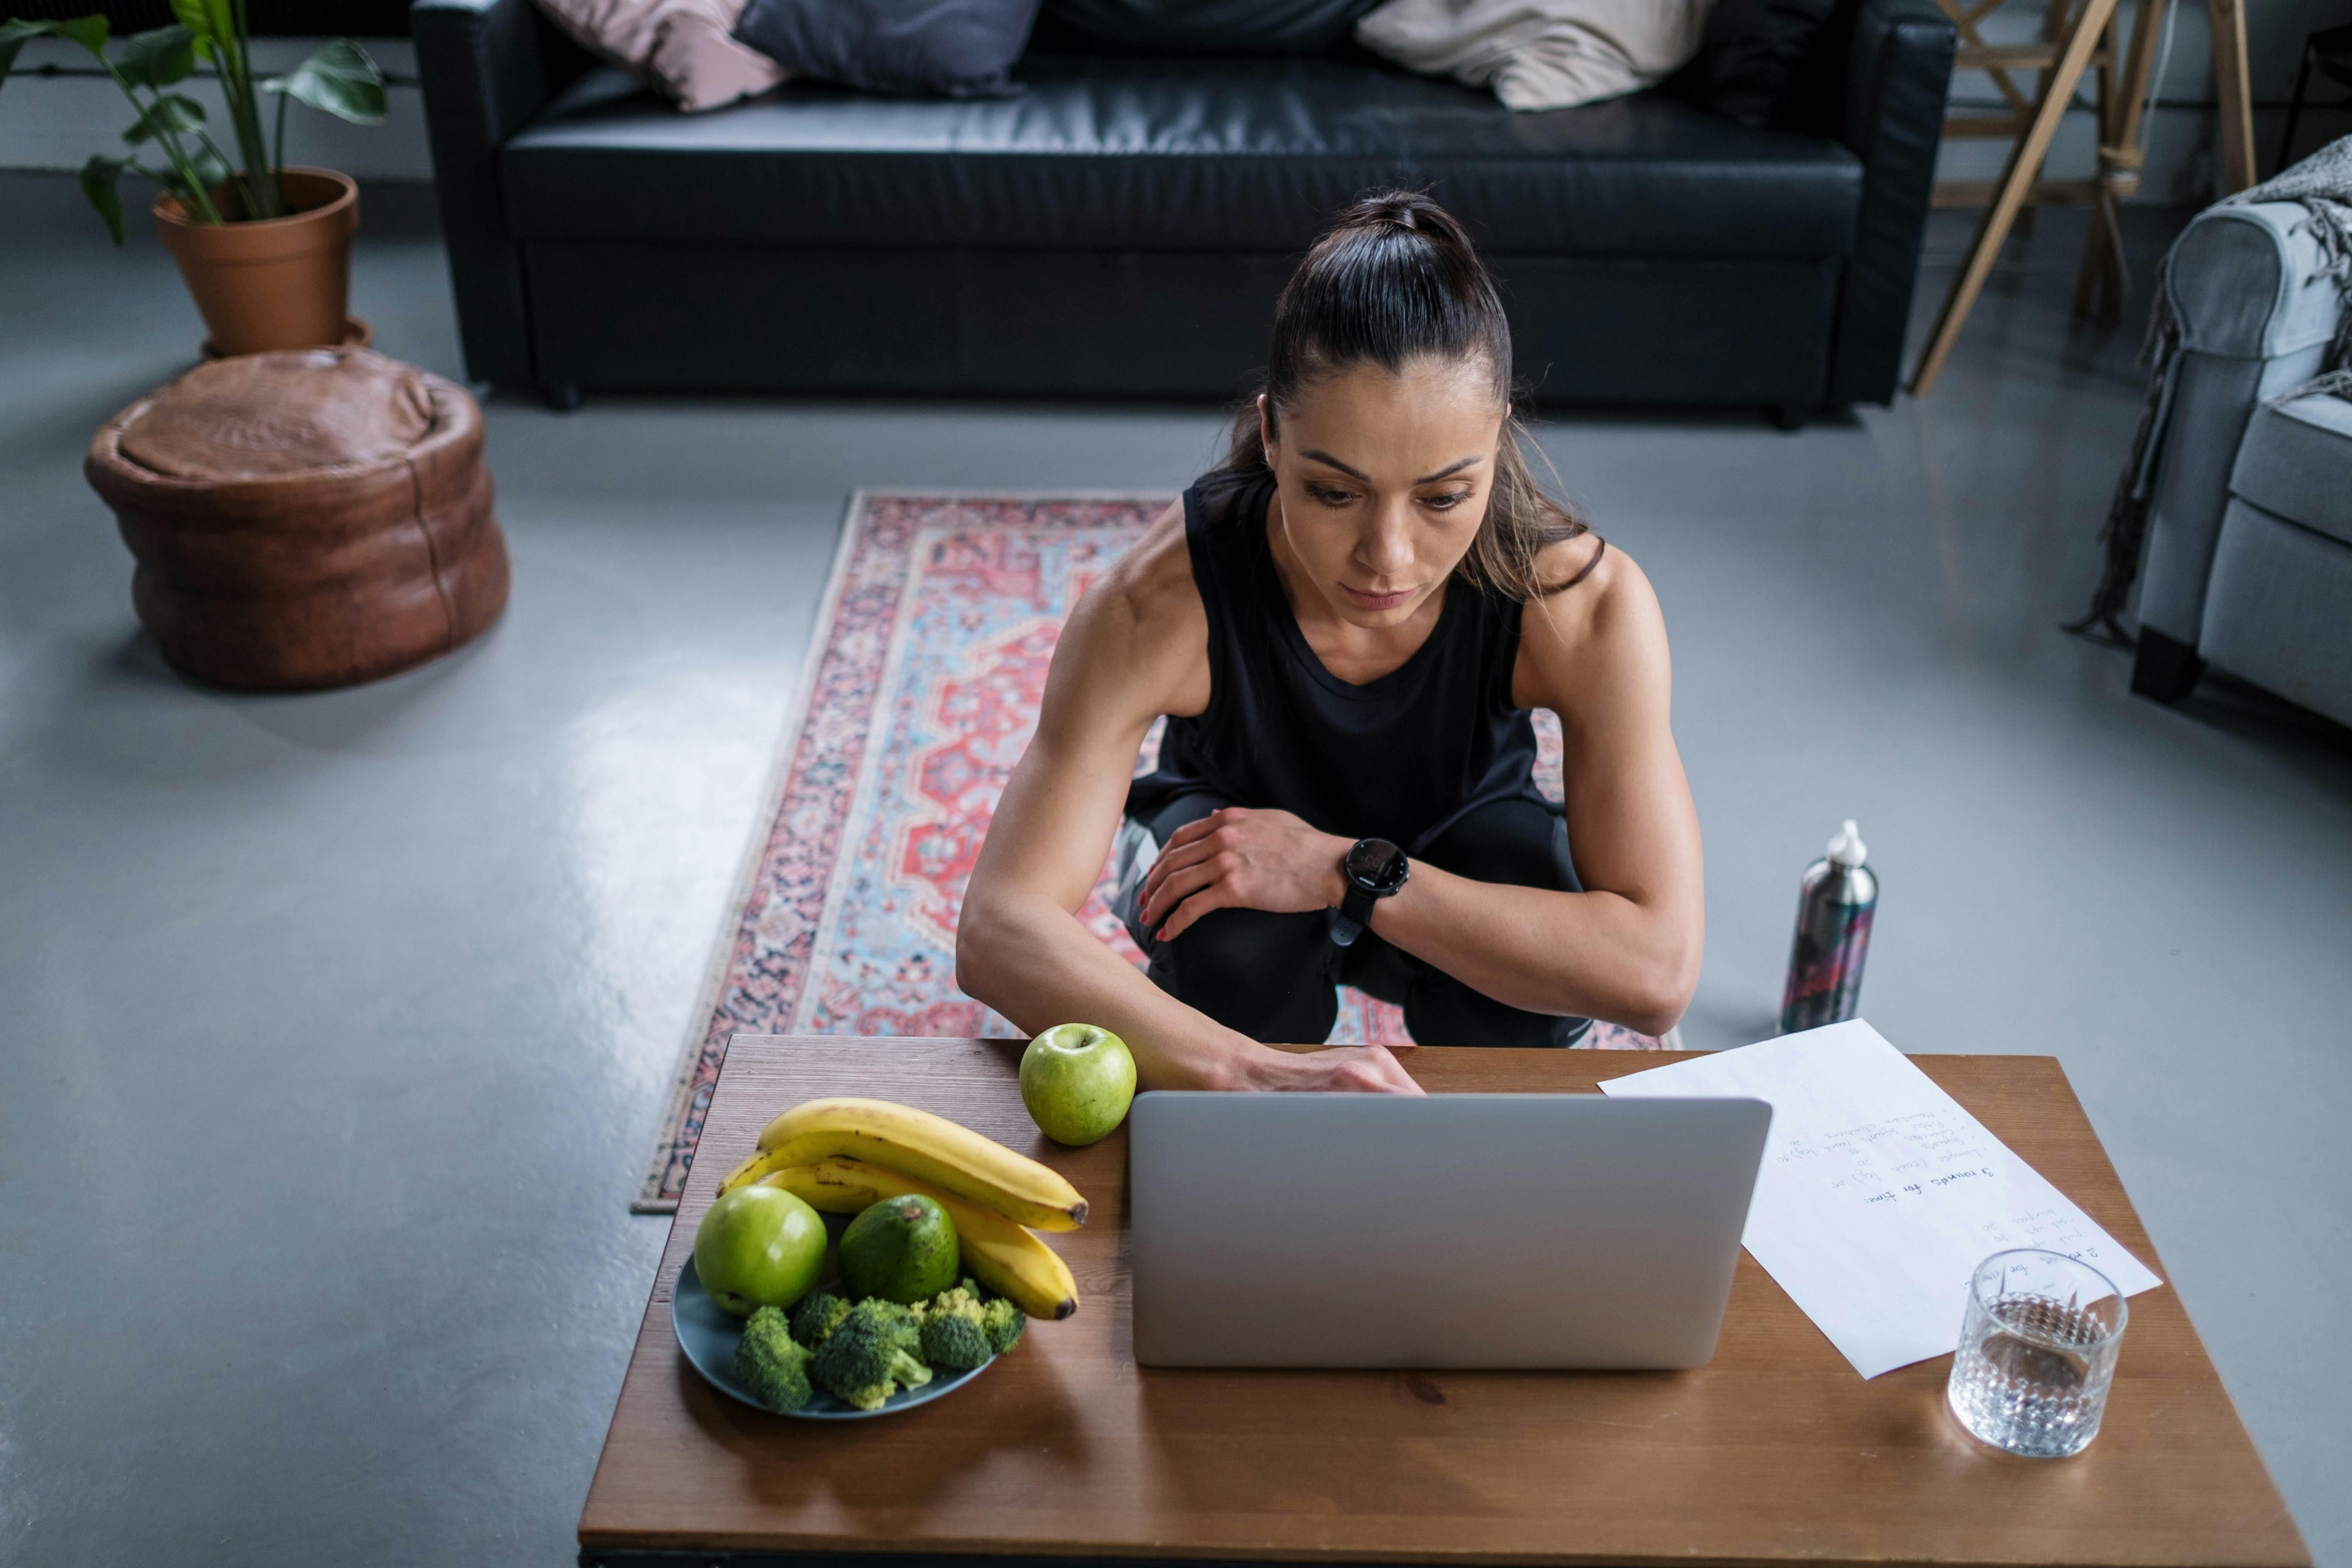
[1396,278]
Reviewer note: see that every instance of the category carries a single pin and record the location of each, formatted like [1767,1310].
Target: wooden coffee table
[1773,1453]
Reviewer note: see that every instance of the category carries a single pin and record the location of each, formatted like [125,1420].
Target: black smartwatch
[1374,868]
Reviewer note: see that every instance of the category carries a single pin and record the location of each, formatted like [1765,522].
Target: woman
[1346,626]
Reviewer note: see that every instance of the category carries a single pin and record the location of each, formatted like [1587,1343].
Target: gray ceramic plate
[706,1333]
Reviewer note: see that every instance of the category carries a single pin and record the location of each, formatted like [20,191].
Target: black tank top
[1397,758]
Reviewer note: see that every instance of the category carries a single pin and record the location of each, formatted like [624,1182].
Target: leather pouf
[306,519]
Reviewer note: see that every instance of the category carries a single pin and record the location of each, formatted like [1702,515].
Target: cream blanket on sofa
[1539,53]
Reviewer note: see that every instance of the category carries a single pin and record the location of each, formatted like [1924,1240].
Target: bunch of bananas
[844,1154]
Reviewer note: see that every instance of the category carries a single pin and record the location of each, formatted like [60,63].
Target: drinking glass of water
[2037,1352]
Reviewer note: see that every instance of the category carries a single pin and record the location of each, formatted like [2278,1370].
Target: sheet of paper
[1879,1194]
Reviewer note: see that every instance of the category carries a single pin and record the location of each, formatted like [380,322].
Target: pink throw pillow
[684,49]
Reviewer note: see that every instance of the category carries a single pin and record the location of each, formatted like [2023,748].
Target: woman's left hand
[1237,857]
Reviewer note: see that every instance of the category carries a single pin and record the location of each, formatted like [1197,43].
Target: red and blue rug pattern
[920,692]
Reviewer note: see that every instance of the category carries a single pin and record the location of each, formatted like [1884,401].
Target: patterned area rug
[920,692]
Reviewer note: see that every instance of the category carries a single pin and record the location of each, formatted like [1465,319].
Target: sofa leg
[2165,670]
[1789,416]
[563,396]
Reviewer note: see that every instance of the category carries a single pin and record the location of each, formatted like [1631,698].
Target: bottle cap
[1847,848]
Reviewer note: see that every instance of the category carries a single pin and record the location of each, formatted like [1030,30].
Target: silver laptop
[1459,1230]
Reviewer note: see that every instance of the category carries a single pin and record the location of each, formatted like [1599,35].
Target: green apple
[759,1247]
[1078,1081]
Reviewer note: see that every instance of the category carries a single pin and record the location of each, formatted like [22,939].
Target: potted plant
[264,249]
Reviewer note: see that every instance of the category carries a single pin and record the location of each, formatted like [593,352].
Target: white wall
[56,123]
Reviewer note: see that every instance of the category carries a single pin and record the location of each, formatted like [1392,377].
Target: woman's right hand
[1362,1069]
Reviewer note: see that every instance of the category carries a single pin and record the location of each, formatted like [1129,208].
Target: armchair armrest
[2252,282]
[1899,69]
[486,67]
[2256,313]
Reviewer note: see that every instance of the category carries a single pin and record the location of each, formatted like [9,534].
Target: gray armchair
[2249,561]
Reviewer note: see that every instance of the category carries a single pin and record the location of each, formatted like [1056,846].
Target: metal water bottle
[1834,904]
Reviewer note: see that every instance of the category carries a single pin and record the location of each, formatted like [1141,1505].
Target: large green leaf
[89,32]
[157,57]
[207,20]
[171,112]
[14,35]
[340,79]
[99,178]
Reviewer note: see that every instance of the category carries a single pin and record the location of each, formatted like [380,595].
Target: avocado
[903,1249]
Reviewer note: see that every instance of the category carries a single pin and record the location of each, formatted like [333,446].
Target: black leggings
[1271,976]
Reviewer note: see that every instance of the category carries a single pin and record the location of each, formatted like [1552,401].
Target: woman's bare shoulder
[1141,624]
[1597,587]
[1600,621]
[1154,577]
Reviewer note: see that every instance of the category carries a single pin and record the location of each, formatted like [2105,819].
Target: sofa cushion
[2275,613]
[951,48]
[2297,461]
[1208,26]
[1540,55]
[1749,62]
[1172,154]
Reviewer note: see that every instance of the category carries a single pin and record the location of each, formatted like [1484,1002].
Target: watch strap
[1355,915]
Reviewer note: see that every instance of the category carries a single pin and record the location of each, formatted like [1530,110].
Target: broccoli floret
[871,1354]
[766,1358]
[955,1298]
[897,1323]
[816,1316]
[954,1336]
[1003,1322]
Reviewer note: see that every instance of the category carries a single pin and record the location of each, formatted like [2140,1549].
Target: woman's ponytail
[1396,278]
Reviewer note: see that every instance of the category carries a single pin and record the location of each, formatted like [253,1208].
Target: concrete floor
[337,1025]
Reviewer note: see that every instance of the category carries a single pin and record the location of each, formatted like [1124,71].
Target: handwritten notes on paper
[1879,1194]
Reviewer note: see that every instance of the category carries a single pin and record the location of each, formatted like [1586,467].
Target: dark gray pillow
[1750,58]
[1213,26]
[908,48]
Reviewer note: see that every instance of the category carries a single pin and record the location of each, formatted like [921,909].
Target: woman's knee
[1443,1011]
[1262,974]
[1515,843]
[1512,843]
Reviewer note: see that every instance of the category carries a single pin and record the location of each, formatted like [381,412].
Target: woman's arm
[1136,647]
[1627,949]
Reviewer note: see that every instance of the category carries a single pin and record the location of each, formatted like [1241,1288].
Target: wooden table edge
[1045,1554]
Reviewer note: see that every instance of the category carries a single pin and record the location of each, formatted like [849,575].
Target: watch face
[1376,864]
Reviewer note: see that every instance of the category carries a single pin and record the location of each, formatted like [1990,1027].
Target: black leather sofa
[1123,225]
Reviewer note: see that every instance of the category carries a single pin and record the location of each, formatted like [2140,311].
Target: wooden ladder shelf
[2078,36]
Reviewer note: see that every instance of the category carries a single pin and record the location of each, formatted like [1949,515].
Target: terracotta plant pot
[278,283]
